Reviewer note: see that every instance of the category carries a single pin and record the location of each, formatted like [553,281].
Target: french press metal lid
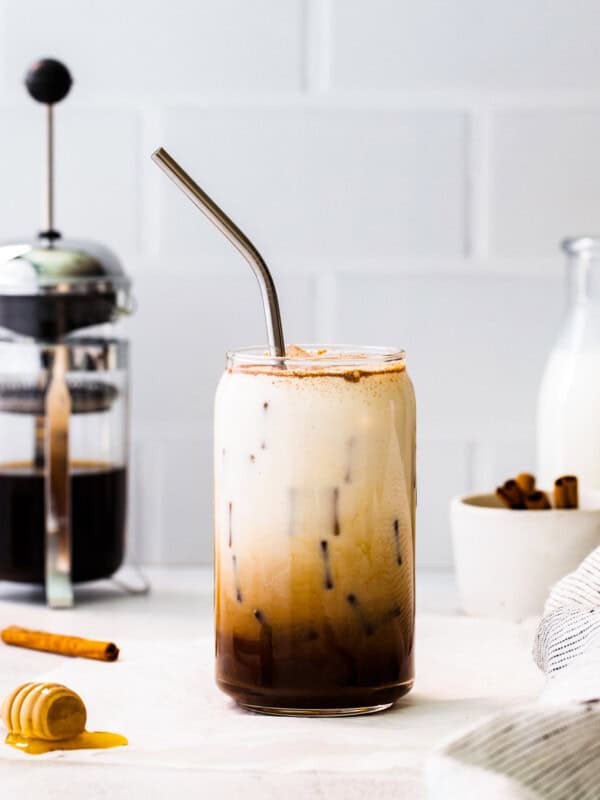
[50,286]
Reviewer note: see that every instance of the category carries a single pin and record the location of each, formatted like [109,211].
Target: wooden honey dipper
[41,717]
[47,711]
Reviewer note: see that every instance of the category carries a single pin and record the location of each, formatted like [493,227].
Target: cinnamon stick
[60,643]
[511,495]
[537,500]
[526,482]
[572,490]
[566,493]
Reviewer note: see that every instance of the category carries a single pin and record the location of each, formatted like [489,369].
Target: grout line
[140,194]
[543,269]
[325,308]
[316,81]
[470,457]
[133,547]
[317,23]
[145,538]
[317,50]
[478,185]
[5,86]
[308,65]
[316,62]
[150,225]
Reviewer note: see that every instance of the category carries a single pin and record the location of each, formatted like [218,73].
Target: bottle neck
[583,279]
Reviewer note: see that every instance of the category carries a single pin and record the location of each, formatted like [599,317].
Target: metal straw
[237,238]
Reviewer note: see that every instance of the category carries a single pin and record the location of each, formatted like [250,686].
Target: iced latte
[314,530]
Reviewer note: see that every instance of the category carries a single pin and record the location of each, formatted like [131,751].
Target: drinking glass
[315,494]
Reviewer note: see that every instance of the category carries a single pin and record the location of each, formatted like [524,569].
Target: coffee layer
[323,667]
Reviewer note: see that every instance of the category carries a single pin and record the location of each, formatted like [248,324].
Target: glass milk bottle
[568,432]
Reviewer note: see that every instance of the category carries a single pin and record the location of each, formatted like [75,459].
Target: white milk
[569,418]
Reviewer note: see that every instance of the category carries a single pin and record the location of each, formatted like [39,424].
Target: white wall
[406,167]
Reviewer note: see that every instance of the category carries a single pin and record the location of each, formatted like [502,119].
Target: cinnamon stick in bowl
[59,643]
[526,482]
[537,501]
[511,495]
[566,493]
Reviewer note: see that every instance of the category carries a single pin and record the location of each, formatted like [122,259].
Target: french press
[63,397]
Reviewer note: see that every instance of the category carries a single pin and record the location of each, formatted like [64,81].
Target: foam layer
[300,363]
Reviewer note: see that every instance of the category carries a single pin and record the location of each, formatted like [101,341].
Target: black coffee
[49,317]
[98,510]
[321,667]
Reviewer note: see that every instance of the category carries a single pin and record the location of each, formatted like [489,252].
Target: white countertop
[188,739]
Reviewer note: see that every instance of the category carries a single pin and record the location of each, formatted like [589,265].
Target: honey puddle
[95,740]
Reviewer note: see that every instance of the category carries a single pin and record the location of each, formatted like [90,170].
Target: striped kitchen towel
[550,749]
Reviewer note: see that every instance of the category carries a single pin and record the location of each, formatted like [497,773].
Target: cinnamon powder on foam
[352,374]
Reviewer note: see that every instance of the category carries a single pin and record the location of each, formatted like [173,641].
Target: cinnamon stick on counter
[59,643]
[566,494]
[511,495]
[537,500]
[526,482]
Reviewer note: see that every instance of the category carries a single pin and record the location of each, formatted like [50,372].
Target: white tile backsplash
[443,471]
[96,173]
[184,326]
[464,338]
[545,167]
[532,44]
[186,502]
[406,169]
[495,460]
[320,186]
[151,49]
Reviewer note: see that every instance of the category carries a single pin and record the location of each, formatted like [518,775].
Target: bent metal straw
[237,238]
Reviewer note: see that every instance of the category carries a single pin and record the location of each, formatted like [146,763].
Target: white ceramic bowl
[506,561]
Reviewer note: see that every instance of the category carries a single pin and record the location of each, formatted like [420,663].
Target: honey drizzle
[88,740]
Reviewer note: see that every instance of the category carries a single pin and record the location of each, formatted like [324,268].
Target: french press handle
[57,484]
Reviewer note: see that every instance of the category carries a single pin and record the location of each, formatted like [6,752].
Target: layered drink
[314,530]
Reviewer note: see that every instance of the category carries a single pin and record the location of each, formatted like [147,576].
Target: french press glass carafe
[63,399]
